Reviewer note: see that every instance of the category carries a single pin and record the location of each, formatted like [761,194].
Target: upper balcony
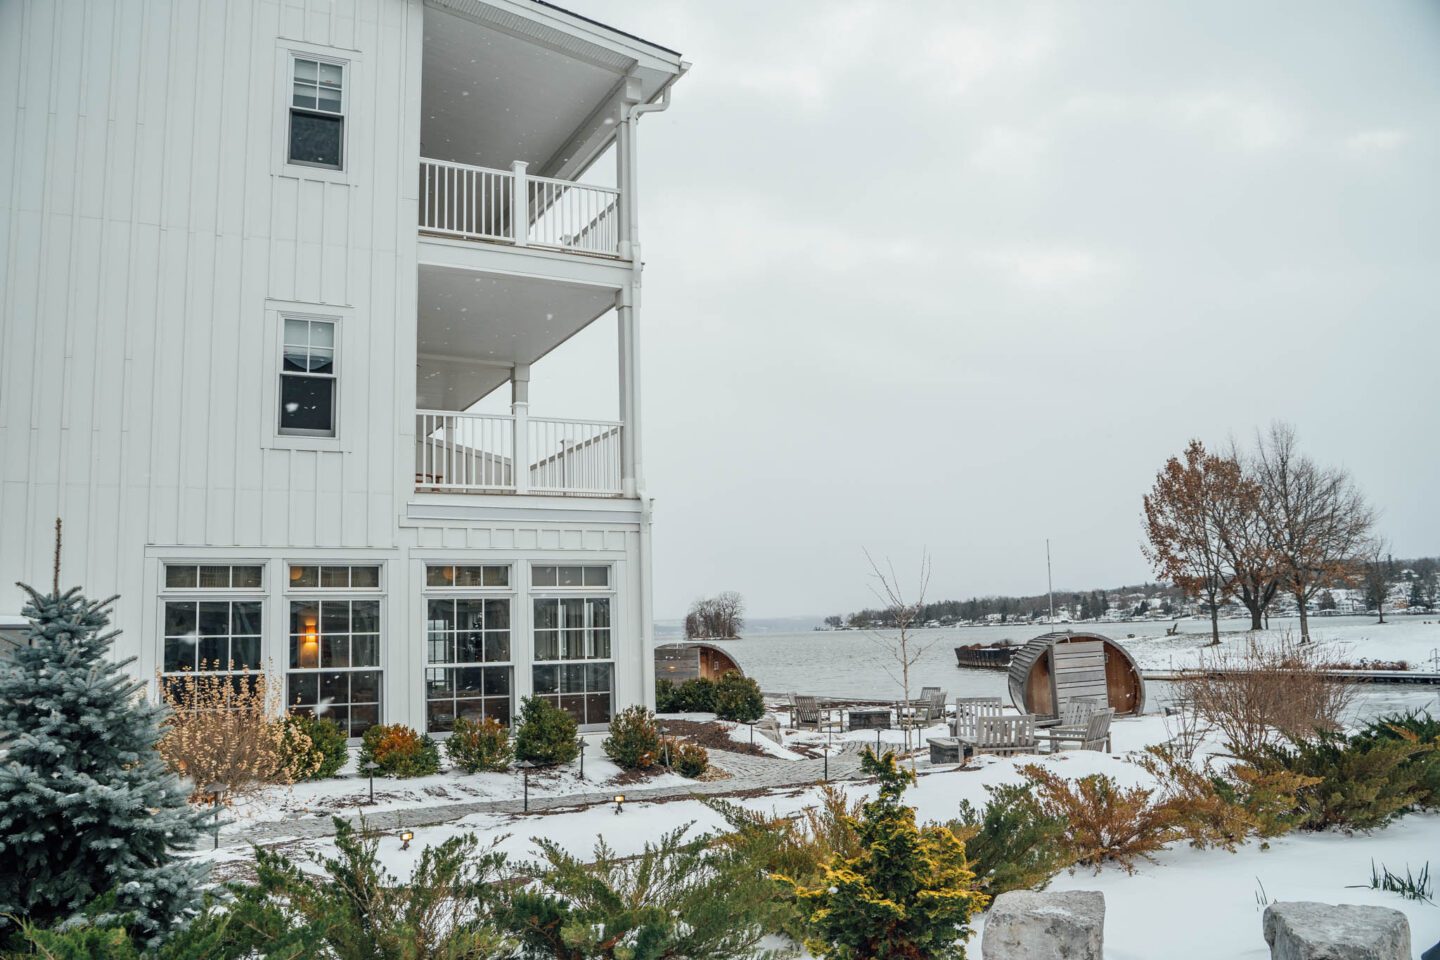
[523,109]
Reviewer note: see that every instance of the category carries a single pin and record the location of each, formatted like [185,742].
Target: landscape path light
[525,766]
[368,768]
[619,803]
[405,837]
[215,790]
[581,742]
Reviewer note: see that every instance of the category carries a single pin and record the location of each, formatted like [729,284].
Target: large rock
[1324,931]
[1025,925]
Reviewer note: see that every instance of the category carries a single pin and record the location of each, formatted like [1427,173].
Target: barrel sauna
[678,662]
[1058,667]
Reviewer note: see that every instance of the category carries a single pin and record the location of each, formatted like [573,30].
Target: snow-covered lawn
[1415,640]
[1189,904]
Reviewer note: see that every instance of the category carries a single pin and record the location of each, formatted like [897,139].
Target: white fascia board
[503,258]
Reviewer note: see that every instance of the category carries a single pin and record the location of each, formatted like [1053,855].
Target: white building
[256,258]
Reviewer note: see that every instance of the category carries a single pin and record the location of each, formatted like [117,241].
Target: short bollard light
[751,725]
[826,750]
[368,768]
[525,766]
[619,803]
[215,790]
[580,741]
[665,745]
[405,837]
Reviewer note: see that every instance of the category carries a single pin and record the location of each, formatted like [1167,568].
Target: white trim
[276,313]
[286,52]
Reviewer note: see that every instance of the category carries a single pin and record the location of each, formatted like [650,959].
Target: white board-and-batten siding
[151,237]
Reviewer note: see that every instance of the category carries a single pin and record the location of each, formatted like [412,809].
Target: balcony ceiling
[490,97]
[474,326]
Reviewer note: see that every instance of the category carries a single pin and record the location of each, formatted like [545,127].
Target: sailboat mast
[1049,581]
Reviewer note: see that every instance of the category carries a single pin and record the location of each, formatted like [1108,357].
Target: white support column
[625,167]
[520,409]
[519,203]
[631,480]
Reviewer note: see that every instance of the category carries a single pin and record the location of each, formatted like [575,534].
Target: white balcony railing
[514,207]
[477,453]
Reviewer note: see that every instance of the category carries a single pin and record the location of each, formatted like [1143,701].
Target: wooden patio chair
[968,710]
[1006,736]
[805,712]
[1094,734]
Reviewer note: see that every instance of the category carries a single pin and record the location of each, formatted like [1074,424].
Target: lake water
[853,663]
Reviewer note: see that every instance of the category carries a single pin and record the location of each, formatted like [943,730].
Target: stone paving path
[748,772]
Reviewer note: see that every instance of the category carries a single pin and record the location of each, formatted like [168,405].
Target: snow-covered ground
[1416,640]
[1190,904]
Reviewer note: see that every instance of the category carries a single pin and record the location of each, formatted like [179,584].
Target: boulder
[1028,925]
[1324,931]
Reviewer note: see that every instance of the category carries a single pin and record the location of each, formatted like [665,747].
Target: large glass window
[574,666]
[209,626]
[335,646]
[307,378]
[467,645]
[317,113]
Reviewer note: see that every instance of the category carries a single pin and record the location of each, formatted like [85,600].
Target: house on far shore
[278,275]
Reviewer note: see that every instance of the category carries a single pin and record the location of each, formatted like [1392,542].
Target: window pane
[597,708]
[334,687]
[547,679]
[469,614]
[335,616]
[440,648]
[365,616]
[214,618]
[245,651]
[497,646]
[363,717]
[303,95]
[440,716]
[335,577]
[468,681]
[441,614]
[307,403]
[439,576]
[600,613]
[214,653]
[179,619]
[246,619]
[597,576]
[315,138]
[497,681]
[572,678]
[597,676]
[180,577]
[295,360]
[330,73]
[302,688]
[570,577]
[497,614]
[437,684]
[469,576]
[574,612]
[321,361]
[322,334]
[304,616]
[547,614]
[600,645]
[304,576]
[547,645]
[498,710]
[305,652]
[179,653]
[365,686]
[497,576]
[543,576]
[306,69]
[214,577]
[365,578]
[247,577]
[469,647]
[365,651]
[335,651]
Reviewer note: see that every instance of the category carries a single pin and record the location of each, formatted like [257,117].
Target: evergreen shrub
[738,699]
[1014,843]
[398,751]
[634,741]
[1106,822]
[1421,727]
[546,734]
[691,760]
[476,745]
[316,744]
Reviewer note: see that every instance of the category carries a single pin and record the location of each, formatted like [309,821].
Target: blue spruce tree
[87,806]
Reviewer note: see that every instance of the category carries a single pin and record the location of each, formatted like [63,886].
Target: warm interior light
[310,645]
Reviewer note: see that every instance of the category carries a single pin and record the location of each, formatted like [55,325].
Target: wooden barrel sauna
[1057,667]
[678,662]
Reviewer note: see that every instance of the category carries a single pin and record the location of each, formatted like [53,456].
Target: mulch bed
[711,736]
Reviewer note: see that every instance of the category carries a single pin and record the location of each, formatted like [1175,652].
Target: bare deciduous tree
[1379,565]
[1316,518]
[720,617]
[904,611]
[1248,550]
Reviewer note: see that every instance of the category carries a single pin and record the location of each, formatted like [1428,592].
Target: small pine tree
[87,806]
[546,734]
[908,893]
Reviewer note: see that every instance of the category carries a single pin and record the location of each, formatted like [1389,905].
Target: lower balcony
[481,453]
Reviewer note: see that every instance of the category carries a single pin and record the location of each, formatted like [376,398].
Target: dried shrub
[1265,693]
[398,751]
[634,741]
[226,735]
[476,745]
[1222,809]
[1107,822]
[1015,843]
[326,750]
[691,760]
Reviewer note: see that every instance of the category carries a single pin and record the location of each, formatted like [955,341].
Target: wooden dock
[1391,677]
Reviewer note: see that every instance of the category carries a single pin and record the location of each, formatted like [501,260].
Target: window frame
[167,595]
[343,113]
[292,595]
[540,593]
[510,593]
[276,313]
[333,377]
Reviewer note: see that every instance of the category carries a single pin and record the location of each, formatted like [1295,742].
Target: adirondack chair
[1076,711]
[1094,734]
[969,710]
[1006,735]
[937,702]
[805,711]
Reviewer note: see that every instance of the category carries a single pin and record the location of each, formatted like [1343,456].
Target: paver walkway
[748,772]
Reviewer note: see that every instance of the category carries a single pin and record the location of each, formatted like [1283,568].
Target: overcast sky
[961,276]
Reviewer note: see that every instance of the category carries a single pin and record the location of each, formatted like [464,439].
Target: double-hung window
[336,636]
[468,664]
[308,384]
[212,619]
[574,664]
[317,113]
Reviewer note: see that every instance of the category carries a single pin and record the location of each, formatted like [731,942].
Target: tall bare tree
[1316,518]
[902,608]
[720,617]
[1186,516]
[1379,567]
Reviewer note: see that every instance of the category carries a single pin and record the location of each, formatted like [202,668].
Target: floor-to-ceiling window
[468,664]
[213,619]
[574,665]
[335,641]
